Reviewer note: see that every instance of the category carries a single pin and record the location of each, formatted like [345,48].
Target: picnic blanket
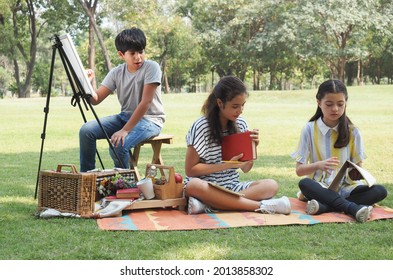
[172,219]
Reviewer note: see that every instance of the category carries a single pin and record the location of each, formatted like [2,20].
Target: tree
[225,29]
[23,23]
[273,47]
[90,8]
[336,30]
[5,76]
[243,35]
[21,30]
[170,39]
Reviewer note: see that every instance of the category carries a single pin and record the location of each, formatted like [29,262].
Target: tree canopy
[272,44]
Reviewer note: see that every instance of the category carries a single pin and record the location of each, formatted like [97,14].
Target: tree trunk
[30,57]
[358,73]
[90,9]
[259,79]
[164,73]
[341,68]
[92,52]
[254,79]
[243,71]
[273,79]
[165,79]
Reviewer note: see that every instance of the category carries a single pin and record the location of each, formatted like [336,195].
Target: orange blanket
[171,219]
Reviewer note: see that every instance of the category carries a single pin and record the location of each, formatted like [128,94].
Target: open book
[225,189]
[334,185]
[236,144]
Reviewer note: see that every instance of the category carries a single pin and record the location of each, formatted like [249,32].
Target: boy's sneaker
[363,214]
[195,206]
[312,207]
[275,206]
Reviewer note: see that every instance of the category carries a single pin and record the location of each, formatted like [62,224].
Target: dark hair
[130,40]
[335,86]
[226,89]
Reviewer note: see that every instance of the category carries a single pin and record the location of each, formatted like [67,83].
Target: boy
[138,86]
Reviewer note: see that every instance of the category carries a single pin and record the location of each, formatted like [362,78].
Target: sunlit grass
[279,116]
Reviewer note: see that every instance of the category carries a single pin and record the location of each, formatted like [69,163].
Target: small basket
[170,189]
[128,174]
[67,191]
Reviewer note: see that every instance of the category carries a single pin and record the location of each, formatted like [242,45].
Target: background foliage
[271,44]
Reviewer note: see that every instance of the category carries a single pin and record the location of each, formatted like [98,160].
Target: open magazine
[225,189]
[335,184]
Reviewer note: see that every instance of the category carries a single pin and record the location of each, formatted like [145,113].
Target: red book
[238,143]
[128,193]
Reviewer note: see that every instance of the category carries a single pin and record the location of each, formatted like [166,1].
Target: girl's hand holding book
[329,164]
[255,136]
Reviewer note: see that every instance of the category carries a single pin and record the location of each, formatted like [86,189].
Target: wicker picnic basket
[67,191]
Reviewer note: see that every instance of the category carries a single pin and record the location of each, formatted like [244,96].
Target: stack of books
[128,193]
[131,193]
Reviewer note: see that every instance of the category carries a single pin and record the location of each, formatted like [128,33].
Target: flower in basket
[109,185]
[105,188]
[120,182]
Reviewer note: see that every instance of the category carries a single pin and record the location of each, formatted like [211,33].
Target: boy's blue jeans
[91,131]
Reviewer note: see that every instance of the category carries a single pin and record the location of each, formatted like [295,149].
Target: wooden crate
[67,191]
[170,189]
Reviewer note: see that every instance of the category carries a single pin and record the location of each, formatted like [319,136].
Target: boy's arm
[101,93]
[147,98]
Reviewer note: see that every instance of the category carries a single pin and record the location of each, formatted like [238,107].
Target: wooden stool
[156,143]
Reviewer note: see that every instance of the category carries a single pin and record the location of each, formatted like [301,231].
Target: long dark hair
[335,86]
[226,89]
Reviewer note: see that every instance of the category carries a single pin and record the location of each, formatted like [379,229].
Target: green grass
[279,116]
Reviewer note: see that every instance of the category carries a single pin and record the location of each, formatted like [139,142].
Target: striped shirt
[209,152]
[317,143]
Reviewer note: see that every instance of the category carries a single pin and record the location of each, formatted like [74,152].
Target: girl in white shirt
[327,141]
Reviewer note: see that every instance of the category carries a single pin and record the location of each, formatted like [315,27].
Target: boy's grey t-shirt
[129,88]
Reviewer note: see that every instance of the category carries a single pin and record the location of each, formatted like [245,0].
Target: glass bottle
[152,173]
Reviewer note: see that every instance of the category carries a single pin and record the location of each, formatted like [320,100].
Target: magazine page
[370,180]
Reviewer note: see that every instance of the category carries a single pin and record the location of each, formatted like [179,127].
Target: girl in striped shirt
[327,141]
[221,116]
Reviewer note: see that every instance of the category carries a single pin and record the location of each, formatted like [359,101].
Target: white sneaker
[363,214]
[312,207]
[301,196]
[195,206]
[275,206]
[370,211]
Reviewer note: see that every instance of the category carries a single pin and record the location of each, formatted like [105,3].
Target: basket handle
[161,168]
[73,167]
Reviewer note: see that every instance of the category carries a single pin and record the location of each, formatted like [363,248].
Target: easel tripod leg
[46,111]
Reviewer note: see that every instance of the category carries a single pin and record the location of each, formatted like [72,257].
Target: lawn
[279,117]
